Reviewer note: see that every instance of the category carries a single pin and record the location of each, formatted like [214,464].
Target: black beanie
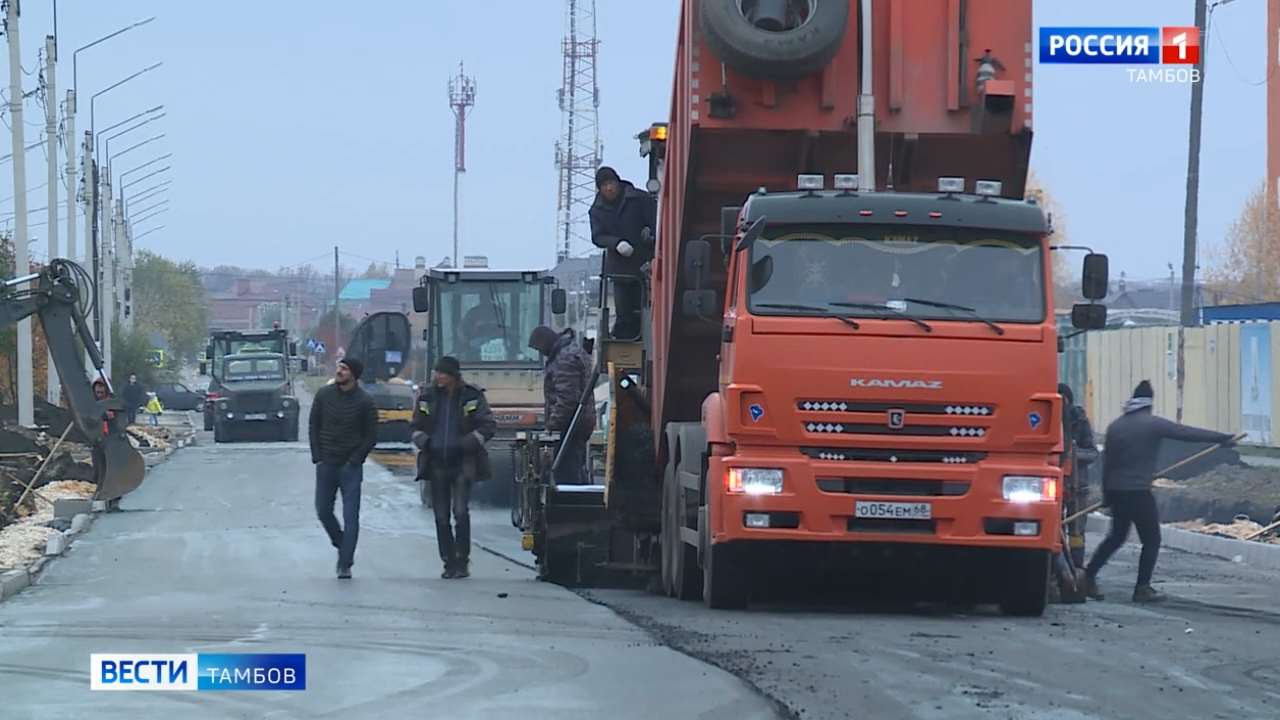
[355,366]
[1144,390]
[449,366]
[606,173]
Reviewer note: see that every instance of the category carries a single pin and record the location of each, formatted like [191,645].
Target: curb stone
[12,582]
[1256,554]
[80,523]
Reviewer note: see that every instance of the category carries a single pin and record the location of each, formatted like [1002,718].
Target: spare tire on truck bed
[764,50]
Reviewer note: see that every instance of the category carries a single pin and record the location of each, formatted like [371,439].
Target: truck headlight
[1028,489]
[754,481]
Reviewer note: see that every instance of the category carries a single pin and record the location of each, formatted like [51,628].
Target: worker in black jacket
[1129,462]
[451,424]
[343,430]
[622,222]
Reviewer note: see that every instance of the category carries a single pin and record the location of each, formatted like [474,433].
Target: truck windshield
[489,321]
[922,272]
[242,369]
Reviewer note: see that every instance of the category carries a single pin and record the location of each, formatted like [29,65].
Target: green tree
[129,349]
[168,297]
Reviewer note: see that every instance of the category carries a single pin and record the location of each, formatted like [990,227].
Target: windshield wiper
[951,306]
[825,312]
[872,306]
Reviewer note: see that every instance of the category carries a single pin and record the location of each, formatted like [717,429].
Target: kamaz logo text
[888,383]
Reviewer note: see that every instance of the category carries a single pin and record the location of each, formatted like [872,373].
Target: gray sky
[296,125]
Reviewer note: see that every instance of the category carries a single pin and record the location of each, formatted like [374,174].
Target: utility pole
[25,391]
[1190,218]
[53,393]
[73,199]
[462,96]
[107,298]
[1191,215]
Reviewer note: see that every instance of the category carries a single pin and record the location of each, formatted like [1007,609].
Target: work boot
[344,573]
[1147,594]
[449,573]
[1091,588]
[462,570]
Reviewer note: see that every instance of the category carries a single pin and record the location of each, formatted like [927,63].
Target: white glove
[625,249]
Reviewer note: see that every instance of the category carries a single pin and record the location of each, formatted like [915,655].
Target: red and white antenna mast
[462,96]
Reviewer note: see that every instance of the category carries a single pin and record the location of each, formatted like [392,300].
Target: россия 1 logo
[1175,50]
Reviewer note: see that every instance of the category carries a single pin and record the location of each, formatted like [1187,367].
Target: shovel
[1190,458]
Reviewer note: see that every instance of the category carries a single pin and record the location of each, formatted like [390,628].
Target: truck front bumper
[855,502]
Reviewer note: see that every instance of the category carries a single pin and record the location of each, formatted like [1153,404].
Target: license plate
[394,415]
[256,416]
[893,510]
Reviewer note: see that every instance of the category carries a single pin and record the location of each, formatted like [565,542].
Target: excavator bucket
[118,466]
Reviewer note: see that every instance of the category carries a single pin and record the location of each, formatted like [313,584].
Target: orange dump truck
[849,356]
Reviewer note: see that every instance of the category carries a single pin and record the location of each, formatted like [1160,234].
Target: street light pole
[73,171]
[25,390]
[53,391]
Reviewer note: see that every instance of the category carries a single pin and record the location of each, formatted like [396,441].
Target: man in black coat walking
[1128,464]
[622,223]
[343,431]
[134,397]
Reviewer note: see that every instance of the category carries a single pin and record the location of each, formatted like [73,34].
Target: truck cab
[251,390]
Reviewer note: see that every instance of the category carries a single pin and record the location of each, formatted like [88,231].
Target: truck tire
[1026,590]
[774,54]
[724,579]
[208,421]
[221,433]
[681,578]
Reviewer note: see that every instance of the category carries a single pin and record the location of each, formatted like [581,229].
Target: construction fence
[1228,384]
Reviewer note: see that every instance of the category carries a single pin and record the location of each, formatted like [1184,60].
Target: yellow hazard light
[658,132]
[526,542]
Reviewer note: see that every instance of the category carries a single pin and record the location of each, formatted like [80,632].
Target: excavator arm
[53,295]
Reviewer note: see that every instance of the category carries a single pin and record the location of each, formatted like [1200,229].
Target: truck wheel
[221,435]
[1026,592]
[680,578]
[761,48]
[208,422]
[724,580]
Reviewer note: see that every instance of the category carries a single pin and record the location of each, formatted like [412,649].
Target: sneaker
[1147,594]
[1091,589]
[344,573]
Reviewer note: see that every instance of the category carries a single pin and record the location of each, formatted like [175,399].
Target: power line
[1271,68]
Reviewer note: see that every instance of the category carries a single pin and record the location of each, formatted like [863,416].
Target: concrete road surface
[220,551]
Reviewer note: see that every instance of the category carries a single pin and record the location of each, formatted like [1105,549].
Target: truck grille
[884,429]
[893,456]
[891,487]
[849,406]
[254,402]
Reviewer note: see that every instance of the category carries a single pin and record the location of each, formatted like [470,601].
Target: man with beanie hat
[1128,464]
[564,382]
[343,431]
[451,424]
[622,223]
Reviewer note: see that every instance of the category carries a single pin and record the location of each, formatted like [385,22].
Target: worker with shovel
[1128,467]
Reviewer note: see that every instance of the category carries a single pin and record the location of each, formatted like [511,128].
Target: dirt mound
[46,415]
[1221,494]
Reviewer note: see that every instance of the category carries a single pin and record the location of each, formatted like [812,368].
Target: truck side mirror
[697,256]
[421,299]
[559,301]
[293,348]
[204,368]
[426,335]
[304,364]
[1089,316]
[1094,280]
[208,351]
[700,303]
